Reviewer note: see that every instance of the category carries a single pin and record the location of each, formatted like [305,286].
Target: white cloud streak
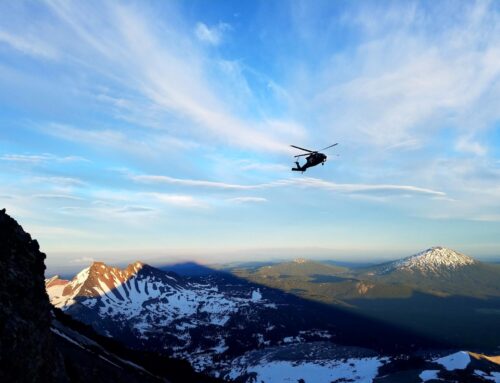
[59,181]
[39,158]
[178,200]
[159,179]
[248,199]
[61,197]
[380,189]
[28,45]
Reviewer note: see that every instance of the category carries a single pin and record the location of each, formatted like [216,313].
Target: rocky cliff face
[38,344]
[27,350]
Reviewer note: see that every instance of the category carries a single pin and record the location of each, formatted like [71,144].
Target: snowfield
[153,308]
[362,370]
[147,300]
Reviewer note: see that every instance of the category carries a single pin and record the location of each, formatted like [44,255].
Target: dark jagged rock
[38,344]
[27,350]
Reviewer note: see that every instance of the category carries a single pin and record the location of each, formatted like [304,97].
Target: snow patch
[458,361]
[428,375]
[256,296]
[492,376]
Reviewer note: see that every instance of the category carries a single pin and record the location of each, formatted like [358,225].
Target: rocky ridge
[27,349]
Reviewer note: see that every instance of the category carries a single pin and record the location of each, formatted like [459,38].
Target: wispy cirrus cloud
[212,35]
[467,144]
[144,144]
[29,45]
[60,197]
[160,179]
[166,69]
[306,182]
[413,72]
[59,181]
[248,199]
[377,189]
[39,158]
[135,209]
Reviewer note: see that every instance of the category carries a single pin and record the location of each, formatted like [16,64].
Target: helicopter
[314,157]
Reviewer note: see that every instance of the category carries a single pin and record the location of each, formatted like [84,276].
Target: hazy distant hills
[438,292]
[439,271]
[300,268]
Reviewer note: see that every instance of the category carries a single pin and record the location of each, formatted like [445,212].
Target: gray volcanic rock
[27,350]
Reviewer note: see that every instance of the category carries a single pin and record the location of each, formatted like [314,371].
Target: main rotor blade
[305,150]
[329,146]
[305,154]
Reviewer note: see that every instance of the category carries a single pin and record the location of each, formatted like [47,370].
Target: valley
[243,323]
[438,293]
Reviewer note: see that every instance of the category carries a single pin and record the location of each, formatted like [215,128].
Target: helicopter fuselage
[311,160]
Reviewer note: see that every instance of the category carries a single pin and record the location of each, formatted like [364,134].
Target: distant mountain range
[438,271]
[437,292]
[217,320]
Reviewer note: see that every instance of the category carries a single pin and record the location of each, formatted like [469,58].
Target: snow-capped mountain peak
[433,260]
[99,280]
[148,304]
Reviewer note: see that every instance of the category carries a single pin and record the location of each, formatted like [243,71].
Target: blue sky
[161,130]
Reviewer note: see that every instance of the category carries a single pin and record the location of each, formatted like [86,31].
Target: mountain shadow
[240,311]
[466,322]
[438,293]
